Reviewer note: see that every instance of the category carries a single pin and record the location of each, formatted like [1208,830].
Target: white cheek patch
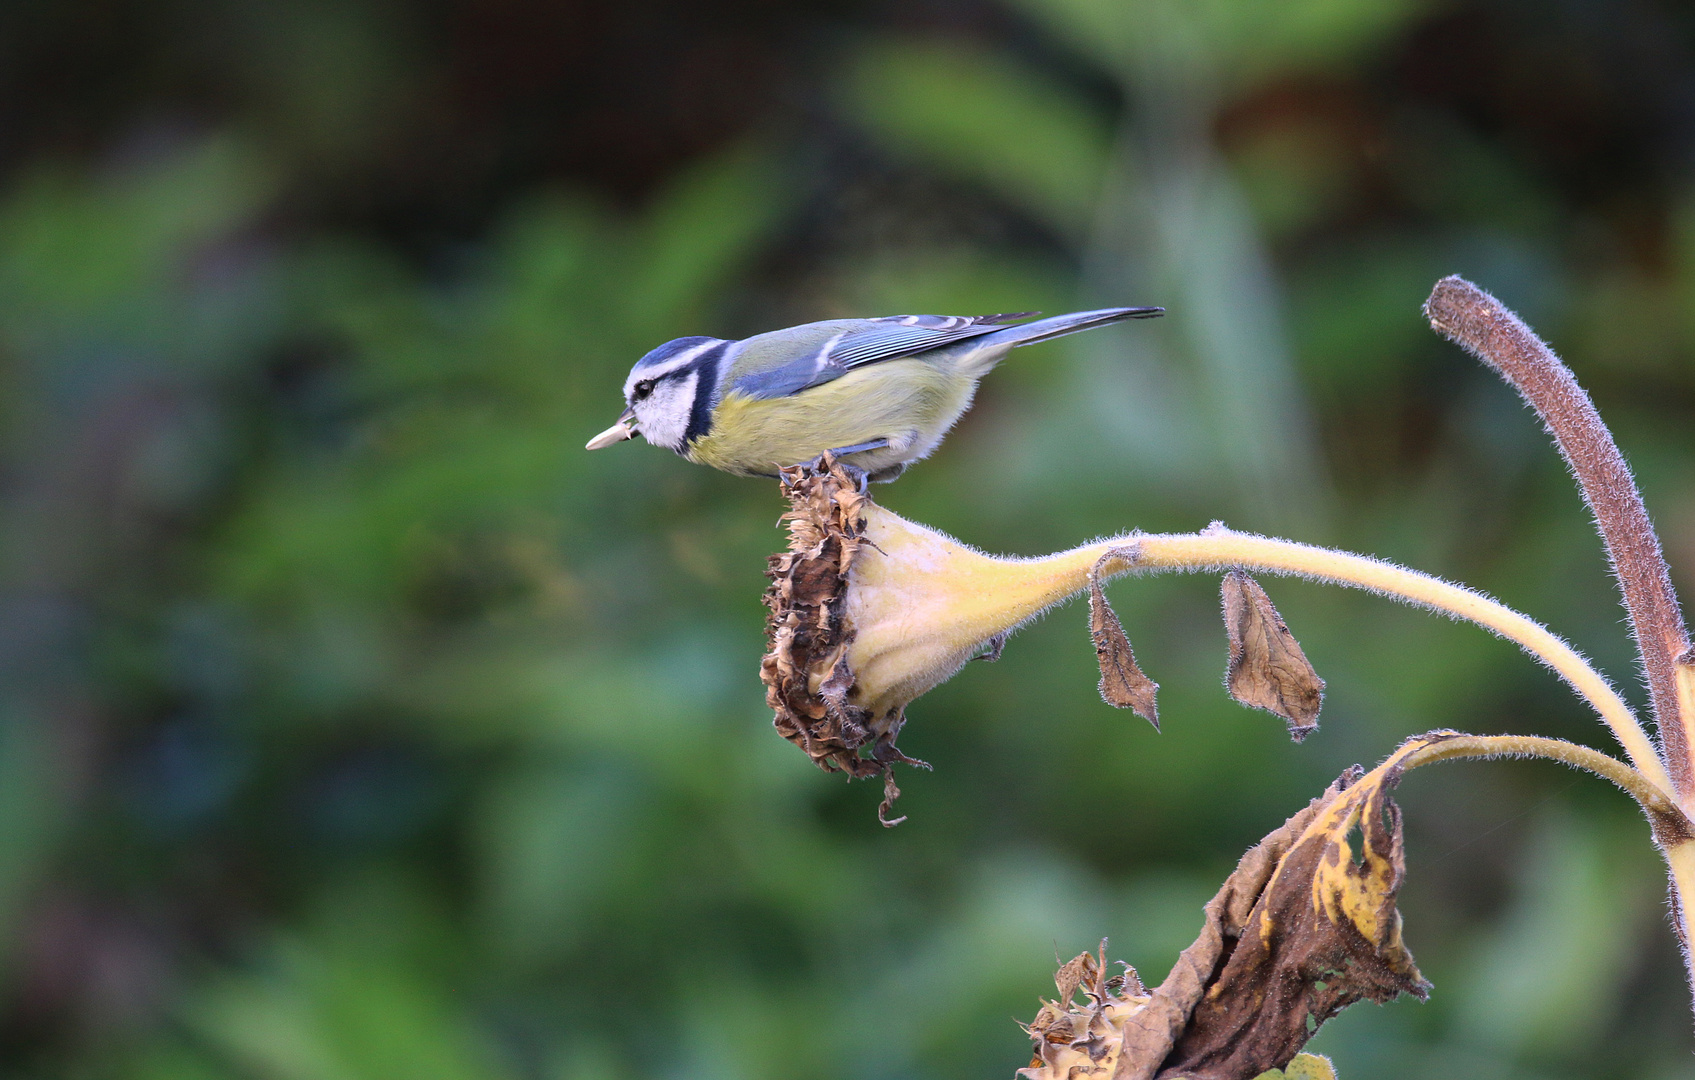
[662,417]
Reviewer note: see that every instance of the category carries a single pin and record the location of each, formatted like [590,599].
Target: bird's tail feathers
[1059,325]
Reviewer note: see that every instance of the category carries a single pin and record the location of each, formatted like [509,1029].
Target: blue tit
[878,393]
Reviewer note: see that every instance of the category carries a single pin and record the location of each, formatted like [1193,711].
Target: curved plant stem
[1220,548]
[1653,799]
[1483,326]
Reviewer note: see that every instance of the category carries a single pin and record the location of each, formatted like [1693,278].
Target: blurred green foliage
[357,725]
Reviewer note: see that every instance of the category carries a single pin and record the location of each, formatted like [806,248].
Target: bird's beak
[625,428]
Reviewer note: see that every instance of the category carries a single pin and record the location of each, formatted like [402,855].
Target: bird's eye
[643,388]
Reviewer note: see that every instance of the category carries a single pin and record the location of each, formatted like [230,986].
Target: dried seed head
[808,678]
[868,611]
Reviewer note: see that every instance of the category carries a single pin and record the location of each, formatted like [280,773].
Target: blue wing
[860,342]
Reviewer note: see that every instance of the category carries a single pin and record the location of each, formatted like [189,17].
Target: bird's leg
[855,471]
[874,444]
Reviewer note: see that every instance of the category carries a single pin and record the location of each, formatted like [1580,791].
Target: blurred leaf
[34,800]
[1226,43]
[1549,976]
[173,1063]
[77,253]
[979,115]
[694,237]
[362,995]
[323,1017]
[553,842]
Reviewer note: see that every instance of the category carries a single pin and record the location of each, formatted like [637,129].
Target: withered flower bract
[1267,668]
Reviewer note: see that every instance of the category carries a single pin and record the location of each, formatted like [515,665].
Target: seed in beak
[625,428]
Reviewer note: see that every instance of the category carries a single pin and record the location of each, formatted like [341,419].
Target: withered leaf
[1073,973]
[1298,933]
[1267,668]
[1123,684]
[890,794]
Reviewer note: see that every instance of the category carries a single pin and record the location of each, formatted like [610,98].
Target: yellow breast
[910,402]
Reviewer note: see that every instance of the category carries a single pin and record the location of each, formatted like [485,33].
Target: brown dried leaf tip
[806,673]
[1123,684]
[1299,932]
[1267,668]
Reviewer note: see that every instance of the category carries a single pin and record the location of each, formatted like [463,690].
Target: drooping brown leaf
[1267,668]
[1296,934]
[807,678]
[1123,684]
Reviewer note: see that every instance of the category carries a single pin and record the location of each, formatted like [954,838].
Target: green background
[357,725]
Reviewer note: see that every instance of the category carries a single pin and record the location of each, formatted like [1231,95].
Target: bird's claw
[861,479]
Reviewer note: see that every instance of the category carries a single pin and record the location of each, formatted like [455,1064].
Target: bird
[877,393]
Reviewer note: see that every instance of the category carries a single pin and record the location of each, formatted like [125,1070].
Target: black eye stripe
[700,416]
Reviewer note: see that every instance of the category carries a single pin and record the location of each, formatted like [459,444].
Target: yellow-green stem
[1652,798]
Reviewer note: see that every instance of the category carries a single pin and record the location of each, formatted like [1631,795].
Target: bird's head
[669,394]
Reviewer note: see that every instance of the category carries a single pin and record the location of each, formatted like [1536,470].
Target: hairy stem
[1686,686]
[1219,548]
[1655,801]
[1483,326]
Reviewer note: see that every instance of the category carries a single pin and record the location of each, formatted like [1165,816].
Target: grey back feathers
[830,350]
[767,366]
